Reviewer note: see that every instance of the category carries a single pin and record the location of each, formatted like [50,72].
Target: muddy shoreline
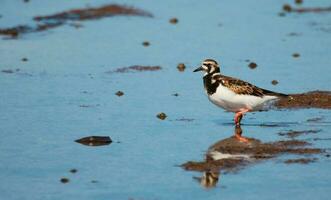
[313,99]
[47,22]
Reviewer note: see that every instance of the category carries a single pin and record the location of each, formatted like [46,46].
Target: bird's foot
[241,138]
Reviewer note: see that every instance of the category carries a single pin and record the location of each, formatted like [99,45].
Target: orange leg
[238,133]
[239,116]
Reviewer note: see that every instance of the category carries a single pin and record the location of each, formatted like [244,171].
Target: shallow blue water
[41,114]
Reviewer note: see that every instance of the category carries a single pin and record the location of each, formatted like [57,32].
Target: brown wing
[241,87]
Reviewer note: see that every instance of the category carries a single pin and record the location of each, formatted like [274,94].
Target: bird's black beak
[198,69]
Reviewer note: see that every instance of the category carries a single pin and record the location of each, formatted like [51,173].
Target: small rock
[73,171]
[24,59]
[146,43]
[274,82]
[64,180]
[181,67]
[287,8]
[327,155]
[252,65]
[119,93]
[95,140]
[296,55]
[298,1]
[173,20]
[161,116]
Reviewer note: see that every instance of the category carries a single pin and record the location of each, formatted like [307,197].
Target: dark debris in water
[64,180]
[146,43]
[12,71]
[52,21]
[294,34]
[185,119]
[274,82]
[161,116]
[73,171]
[289,8]
[119,93]
[7,71]
[181,67]
[252,65]
[173,20]
[294,134]
[296,55]
[298,1]
[95,140]
[313,99]
[88,105]
[137,68]
[300,161]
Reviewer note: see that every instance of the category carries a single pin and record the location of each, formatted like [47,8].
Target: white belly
[230,101]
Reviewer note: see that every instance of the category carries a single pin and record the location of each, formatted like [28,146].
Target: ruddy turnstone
[233,94]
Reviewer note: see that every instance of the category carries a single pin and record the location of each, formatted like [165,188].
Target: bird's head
[209,66]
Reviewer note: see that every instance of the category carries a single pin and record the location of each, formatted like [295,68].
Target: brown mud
[236,155]
[52,21]
[313,99]
[289,8]
[94,13]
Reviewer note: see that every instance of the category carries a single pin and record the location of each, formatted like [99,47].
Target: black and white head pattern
[210,66]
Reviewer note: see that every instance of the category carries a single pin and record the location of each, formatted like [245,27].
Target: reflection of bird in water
[227,155]
[232,94]
[209,179]
[230,155]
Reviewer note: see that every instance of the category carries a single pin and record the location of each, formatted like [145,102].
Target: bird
[232,94]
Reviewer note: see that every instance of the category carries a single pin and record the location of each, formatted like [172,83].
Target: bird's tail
[271,93]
